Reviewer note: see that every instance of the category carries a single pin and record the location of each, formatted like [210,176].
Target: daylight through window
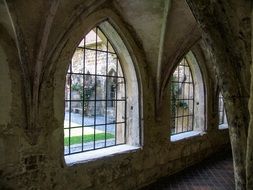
[222,112]
[95,97]
[182,99]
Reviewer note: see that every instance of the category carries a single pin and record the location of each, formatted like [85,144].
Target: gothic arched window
[182,99]
[187,97]
[95,97]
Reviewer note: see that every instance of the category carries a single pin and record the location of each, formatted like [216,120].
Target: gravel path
[88,146]
[77,119]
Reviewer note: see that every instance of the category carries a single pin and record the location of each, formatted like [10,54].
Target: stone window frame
[133,128]
[199,123]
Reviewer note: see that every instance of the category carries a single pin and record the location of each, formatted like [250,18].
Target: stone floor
[215,173]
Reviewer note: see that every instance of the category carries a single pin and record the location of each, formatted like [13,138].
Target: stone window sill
[93,155]
[223,126]
[186,135]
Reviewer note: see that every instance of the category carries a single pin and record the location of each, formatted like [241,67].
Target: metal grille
[95,97]
[222,114]
[182,99]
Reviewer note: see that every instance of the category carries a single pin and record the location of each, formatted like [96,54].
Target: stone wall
[32,102]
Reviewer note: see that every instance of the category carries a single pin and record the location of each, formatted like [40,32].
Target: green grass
[87,138]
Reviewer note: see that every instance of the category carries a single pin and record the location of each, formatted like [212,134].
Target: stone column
[249,156]
[226,38]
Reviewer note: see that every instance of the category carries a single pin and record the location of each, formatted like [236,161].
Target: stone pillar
[249,156]
[230,57]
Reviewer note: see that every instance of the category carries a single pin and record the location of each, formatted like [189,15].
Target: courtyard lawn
[87,138]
